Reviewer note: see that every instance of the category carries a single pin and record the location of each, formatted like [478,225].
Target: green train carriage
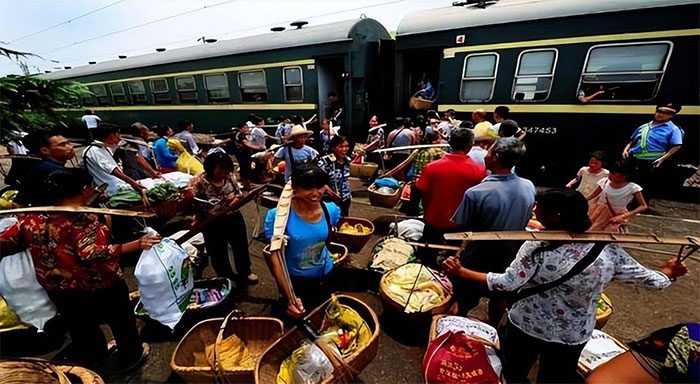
[272,75]
[534,56]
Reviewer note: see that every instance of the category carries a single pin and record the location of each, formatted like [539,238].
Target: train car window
[631,71]
[253,86]
[293,84]
[186,89]
[217,88]
[534,74]
[100,92]
[137,91]
[118,93]
[478,77]
[161,92]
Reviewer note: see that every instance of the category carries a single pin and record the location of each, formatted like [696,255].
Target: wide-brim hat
[483,132]
[298,130]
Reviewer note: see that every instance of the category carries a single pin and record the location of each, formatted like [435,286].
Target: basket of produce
[419,103]
[339,253]
[391,252]
[416,289]
[270,197]
[34,370]
[163,199]
[603,311]
[363,170]
[343,322]
[206,294]
[224,349]
[386,197]
[354,233]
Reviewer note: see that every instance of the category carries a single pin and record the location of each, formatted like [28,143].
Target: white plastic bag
[21,290]
[165,281]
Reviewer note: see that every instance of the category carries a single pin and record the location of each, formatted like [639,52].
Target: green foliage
[29,103]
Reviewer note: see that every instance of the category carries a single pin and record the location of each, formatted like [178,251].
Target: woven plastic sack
[165,282]
[455,358]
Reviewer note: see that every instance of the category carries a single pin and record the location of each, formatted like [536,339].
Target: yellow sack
[347,330]
[185,161]
[9,321]
[232,354]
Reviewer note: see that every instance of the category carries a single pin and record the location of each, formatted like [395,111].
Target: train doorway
[330,79]
[416,67]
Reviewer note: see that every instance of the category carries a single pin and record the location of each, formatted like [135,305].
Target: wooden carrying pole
[67,209]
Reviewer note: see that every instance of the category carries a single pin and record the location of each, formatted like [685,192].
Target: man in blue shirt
[503,201]
[55,151]
[650,147]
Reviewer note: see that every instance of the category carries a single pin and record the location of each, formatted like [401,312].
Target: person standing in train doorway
[650,148]
[332,108]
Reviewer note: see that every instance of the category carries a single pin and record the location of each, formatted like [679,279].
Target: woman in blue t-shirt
[307,259]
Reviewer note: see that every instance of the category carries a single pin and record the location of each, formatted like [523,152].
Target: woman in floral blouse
[555,324]
[79,268]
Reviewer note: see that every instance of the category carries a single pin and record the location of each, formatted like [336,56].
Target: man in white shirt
[185,134]
[90,119]
[257,135]
[98,159]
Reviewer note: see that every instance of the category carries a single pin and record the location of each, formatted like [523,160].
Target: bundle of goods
[339,253]
[603,311]
[363,170]
[390,253]
[225,349]
[354,233]
[419,104]
[415,288]
[32,370]
[598,350]
[410,229]
[205,294]
[461,350]
[343,326]
[163,199]
[385,192]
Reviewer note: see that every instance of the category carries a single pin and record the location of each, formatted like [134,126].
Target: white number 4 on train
[460,39]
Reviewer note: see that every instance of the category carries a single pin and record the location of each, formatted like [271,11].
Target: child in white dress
[609,212]
[588,177]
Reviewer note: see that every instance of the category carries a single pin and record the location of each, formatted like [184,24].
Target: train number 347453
[541,130]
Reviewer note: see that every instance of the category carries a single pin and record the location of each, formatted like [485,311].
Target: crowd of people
[461,177]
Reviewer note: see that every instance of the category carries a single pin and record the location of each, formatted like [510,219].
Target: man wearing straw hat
[296,152]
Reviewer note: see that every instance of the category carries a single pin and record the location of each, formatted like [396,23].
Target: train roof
[511,11]
[308,35]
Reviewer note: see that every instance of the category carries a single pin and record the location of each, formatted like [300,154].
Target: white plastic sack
[477,329]
[165,281]
[411,229]
[600,349]
[21,290]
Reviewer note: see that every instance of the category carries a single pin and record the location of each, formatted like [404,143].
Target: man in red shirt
[442,185]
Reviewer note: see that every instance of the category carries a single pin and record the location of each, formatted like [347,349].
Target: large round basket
[387,301]
[270,361]
[334,248]
[32,370]
[381,200]
[364,170]
[420,104]
[602,318]
[189,358]
[354,242]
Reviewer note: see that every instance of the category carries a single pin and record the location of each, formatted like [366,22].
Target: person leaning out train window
[555,324]
[306,257]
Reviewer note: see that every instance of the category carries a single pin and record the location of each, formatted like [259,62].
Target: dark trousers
[655,181]
[84,311]
[230,229]
[312,292]
[431,235]
[244,164]
[344,207]
[484,256]
[558,362]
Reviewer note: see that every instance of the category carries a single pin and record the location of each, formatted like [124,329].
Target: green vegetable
[162,192]
[124,198]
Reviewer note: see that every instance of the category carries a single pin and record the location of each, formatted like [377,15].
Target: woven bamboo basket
[380,200]
[353,242]
[420,104]
[364,170]
[333,248]
[189,359]
[81,375]
[32,370]
[270,361]
[602,319]
[442,307]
